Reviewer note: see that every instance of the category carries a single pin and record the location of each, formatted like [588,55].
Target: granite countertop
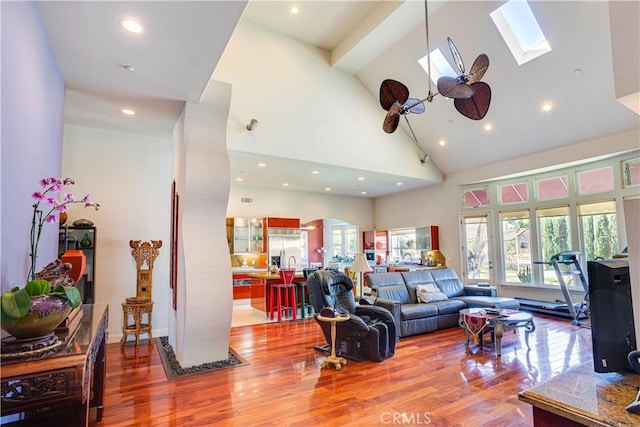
[271,276]
[248,269]
[588,397]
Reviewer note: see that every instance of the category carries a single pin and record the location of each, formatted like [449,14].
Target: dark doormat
[173,369]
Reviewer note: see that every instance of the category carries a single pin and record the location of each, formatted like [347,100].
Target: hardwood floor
[433,379]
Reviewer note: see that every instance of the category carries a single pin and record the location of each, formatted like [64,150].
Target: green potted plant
[37,309]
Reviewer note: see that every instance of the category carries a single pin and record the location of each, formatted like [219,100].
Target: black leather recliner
[370,333]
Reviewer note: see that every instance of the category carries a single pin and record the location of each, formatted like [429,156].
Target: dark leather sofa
[397,293]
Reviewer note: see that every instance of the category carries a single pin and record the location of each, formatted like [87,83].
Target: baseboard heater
[558,309]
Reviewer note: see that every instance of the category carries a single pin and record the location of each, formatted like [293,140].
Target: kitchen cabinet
[242,285]
[84,239]
[427,238]
[245,235]
[375,248]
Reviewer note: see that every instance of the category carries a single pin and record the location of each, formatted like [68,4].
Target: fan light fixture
[471,96]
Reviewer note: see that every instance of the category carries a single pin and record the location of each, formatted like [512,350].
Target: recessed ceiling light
[128,112]
[294,10]
[315,172]
[361,178]
[131,25]
[285,184]
[398,183]
[327,189]
[262,165]
[239,179]
[577,71]
[363,192]
[488,127]
[128,68]
[442,142]
[547,106]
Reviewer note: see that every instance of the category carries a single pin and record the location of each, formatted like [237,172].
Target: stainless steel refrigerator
[285,247]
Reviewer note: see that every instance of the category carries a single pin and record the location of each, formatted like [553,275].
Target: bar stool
[286,287]
[133,311]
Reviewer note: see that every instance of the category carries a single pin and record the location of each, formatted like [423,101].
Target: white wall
[330,116]
[130,176]
[632,218]
[296,204]
[31,136]
[205,294]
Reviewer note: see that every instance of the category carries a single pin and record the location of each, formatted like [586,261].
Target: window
[477,247]
[475,197]
[516,246]
[595,180]
[403,244]
[552,188]
[514,193]
[520,30]
[599,229]
[631,172]
[554,236]
[343,243]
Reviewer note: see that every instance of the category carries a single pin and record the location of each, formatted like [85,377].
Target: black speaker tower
[612,326]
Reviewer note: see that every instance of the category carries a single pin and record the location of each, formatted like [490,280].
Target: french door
[477,259]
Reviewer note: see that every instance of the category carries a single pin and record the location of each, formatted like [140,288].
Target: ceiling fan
[471,96]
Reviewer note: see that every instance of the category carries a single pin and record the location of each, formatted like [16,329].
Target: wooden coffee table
[477,322]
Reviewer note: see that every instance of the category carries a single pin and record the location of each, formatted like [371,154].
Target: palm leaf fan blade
[477,106]
[392,91]
[478,68]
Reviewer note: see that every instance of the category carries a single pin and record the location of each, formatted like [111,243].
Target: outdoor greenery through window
[599,229]
[477,248]
[343,243]
[516,246]
[554,228]
[575,209]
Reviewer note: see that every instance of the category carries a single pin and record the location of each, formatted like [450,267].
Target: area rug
[173,369]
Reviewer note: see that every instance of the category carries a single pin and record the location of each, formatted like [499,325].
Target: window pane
[554,236]
[552,188]
[351,242]
[514,193]
[336,244]
[403,244]
[477,247]
[599,229]
[516,246]
[631,170]
[595,181]
[475,197]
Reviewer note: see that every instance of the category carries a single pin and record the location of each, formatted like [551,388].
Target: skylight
[439,66]
[520,30]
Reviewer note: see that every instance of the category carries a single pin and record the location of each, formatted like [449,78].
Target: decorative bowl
[45,314]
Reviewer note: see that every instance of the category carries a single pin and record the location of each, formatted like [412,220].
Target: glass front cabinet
[248,235]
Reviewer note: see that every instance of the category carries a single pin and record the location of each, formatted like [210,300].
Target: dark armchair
[370,333]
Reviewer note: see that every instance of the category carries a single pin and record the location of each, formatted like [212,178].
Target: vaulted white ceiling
[183,41]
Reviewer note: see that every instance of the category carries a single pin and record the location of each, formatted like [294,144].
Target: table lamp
[360,265]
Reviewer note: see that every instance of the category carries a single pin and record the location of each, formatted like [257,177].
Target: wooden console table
[70,375]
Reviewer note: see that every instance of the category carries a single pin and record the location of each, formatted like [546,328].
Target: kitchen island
[260,289]
[583,397]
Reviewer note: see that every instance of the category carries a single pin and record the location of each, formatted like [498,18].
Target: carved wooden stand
[138,310]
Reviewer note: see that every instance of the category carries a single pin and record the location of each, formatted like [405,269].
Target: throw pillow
[429,293]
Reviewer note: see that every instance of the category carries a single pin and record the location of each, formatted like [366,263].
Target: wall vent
[246,200]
